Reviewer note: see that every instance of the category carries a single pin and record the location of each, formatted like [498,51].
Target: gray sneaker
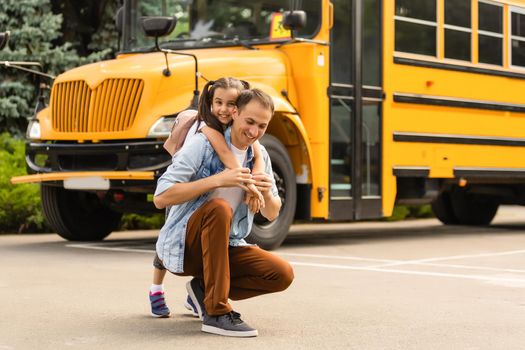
[196,294]
[229,325]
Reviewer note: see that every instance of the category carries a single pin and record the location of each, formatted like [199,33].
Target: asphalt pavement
[372,285]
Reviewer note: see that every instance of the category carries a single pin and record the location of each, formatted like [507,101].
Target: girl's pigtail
[245,84]
[204,111]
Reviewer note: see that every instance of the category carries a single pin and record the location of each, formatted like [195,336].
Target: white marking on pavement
[95,247]
[467,267]
[408,272]
[338,257]
[401,262]
[452,257]
[376,268]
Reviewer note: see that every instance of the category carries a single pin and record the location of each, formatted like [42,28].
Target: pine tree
[35,30]
[89,25]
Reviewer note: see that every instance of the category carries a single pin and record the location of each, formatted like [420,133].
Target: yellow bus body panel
[441,159]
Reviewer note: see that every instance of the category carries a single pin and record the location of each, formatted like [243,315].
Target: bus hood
[213,63]
[153,95]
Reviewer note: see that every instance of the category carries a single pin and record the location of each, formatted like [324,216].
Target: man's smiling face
[250,124]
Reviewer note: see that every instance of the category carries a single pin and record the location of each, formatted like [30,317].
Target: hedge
[20,206]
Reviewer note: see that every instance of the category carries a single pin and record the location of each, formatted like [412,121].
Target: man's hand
[238,177]
[263,182]
[254,199]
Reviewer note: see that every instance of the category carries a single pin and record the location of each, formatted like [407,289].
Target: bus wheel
[442,208]
[472,209]
[266,234]
[77,215]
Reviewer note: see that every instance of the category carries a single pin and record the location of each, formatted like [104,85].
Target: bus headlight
[33,130]
[162,127]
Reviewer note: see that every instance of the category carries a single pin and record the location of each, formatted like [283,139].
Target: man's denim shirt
[195,160]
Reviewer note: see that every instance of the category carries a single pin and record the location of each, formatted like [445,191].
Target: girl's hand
[254,204]
[263,182]
[238,177]
[253,191]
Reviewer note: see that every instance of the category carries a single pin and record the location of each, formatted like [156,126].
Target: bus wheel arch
[270,235]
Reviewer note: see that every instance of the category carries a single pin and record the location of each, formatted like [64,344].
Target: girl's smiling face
[223,105]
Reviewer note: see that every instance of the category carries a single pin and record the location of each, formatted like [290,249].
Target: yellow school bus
[377,102]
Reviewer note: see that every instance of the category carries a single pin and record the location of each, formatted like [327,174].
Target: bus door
[356,96]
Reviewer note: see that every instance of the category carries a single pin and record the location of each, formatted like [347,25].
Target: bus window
[341,71]
[341,150]
[372,43]
[490,33]
[371,150]
[416,27]
[518,38]
[458,29]
[212,23]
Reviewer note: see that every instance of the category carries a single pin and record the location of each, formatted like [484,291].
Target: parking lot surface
[373,285]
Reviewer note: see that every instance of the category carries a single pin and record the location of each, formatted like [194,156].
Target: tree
[35,32]
[89,25]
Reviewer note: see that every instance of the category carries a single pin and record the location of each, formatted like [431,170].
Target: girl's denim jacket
[195,160]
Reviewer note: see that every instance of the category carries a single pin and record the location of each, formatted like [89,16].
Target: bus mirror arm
[161,26]
[167,73]
[20,66]
[40,86]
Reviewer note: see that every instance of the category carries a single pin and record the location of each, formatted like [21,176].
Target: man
[208,220]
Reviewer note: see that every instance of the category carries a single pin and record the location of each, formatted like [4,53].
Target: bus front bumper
[91,180]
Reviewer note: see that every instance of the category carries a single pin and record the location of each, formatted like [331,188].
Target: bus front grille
[110,107]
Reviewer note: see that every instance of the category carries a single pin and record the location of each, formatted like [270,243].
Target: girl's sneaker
[159,308]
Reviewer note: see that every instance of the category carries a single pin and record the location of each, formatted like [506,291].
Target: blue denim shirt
[195,160]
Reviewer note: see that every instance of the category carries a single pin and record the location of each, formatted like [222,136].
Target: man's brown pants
[228,272]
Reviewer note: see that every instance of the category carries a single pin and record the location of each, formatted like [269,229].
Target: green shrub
[20,209]
[141,222]
[403,212]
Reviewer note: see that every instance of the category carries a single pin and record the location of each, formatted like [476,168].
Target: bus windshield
[210,23]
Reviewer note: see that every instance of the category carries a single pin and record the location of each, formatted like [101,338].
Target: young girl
[217,105]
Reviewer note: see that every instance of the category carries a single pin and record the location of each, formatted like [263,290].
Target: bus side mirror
[4,38]
[158,26]
[119,19]
[294,20]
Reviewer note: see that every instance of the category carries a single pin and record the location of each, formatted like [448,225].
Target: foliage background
[60,35]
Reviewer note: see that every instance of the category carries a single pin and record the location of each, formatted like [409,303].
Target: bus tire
[442,208]
[270,235]
[471,209]
[77,215]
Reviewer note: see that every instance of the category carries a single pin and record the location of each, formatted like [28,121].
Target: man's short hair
[258,95]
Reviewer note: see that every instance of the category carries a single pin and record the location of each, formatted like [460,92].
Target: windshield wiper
[244,44]
[212,40]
